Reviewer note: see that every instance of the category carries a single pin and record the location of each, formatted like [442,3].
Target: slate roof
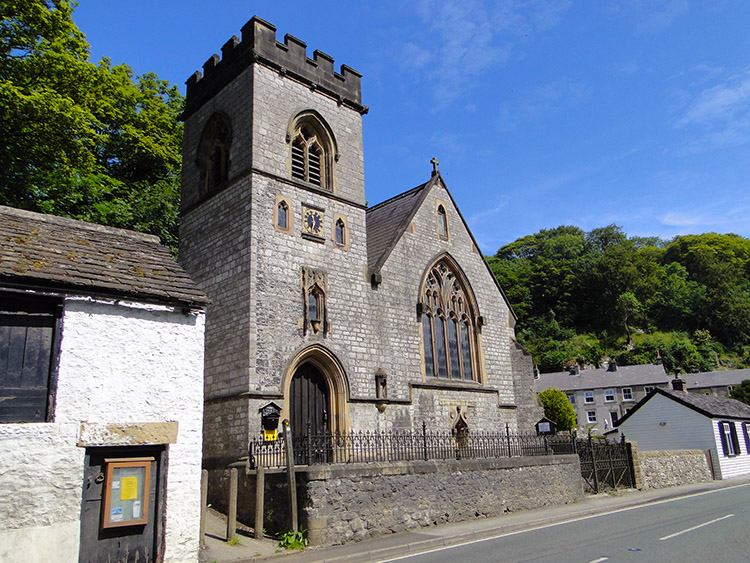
[60,254]
[625,376]
[715,378]
[387,221]
[707,405]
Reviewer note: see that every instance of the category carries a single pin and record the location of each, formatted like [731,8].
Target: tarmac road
[711,526]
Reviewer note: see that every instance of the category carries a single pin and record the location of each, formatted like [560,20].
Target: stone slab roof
[387,221]
[625,376]
[60,254]
[707,405]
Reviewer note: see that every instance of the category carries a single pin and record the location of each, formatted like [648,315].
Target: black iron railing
[404,445]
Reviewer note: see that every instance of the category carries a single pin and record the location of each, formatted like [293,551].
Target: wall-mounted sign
[126,491]
[270,435]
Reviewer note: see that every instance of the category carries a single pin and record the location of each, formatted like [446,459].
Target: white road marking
[670,536]
[599,560]
[541,527]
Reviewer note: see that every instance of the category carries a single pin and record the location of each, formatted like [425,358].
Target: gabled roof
[387,222]
[707,405]
[715,378]
[625,376]
[46,252]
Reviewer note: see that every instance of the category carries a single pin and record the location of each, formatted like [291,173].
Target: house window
[213,153]
[647,389]
[627,394]
[571,397]
[745,432]
[28,356]
[609,395]
[729,443]
[591,416]
[312,150]
[588,397]
[448,325]
[442,222]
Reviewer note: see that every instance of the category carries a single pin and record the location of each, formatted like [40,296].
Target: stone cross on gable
[435,163]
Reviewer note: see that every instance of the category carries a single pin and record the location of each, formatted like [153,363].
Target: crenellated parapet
[259,45]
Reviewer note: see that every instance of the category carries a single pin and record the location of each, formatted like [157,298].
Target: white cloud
[540,101]
[718,116]
[677,219]
[659,15]
[464,38]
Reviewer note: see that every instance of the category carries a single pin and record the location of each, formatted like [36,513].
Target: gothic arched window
[312,150]
[448,322]
[213,153]
[340,234]
[442,222]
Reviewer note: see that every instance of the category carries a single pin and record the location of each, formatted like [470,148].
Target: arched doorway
[309,402]
[316,394]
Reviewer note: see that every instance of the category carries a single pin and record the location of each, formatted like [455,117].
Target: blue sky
[540,113]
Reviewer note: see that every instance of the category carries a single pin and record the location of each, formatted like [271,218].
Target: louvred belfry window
[313,152]
[448,333]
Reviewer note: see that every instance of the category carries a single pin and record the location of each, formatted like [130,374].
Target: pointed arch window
[312,150]
[213,153]
[448,326]
[314,287]
[282,215]
[340,234]
[442,222]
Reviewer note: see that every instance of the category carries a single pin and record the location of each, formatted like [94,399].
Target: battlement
[259,45]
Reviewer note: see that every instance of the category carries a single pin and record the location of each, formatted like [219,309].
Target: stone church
[348,317]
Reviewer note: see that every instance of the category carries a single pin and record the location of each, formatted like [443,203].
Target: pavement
[423,539]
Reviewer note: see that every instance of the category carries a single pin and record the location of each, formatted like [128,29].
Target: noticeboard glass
[126,492]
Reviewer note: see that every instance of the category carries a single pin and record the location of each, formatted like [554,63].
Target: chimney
[658,359]
[612,365]
[678,384]
[575,369]
[536,372]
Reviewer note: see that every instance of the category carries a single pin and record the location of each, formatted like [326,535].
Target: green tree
[741,392]
[557,408]
[83,140]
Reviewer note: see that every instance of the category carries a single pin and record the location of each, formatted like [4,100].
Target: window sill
[455,384]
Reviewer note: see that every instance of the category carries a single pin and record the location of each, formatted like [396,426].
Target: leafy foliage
[79,139]
[293,540]
[741,392]
[558,409]
[581,297]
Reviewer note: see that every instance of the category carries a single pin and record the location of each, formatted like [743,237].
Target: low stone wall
[668,468]
[342,503]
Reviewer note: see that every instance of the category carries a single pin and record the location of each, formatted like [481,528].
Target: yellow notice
[129,488]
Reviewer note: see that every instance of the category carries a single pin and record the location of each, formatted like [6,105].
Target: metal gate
[605,465]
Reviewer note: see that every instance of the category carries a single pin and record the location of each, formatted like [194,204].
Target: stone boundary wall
[342,503]
[668,468]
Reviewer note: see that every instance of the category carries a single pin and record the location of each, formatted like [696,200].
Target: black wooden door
[309,409]
[141,543]
[309,416]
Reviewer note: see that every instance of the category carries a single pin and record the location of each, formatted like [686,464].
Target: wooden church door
[309,414]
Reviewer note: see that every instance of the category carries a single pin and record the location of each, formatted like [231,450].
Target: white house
[101,394]
[678,420]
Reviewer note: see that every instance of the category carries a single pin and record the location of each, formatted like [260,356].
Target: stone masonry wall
[668,468]
[351,504]
[342,503]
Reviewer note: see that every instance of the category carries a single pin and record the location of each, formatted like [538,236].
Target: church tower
[273,229]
